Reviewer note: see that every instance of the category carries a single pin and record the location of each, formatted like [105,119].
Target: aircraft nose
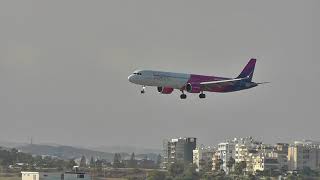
[130,78]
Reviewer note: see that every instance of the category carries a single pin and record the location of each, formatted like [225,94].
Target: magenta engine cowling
[193,88]
[165,90]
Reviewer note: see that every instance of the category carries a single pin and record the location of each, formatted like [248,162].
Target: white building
[202,156]
[30,175]
[224,152]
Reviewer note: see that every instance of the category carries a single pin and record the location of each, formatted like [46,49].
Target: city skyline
[64,68]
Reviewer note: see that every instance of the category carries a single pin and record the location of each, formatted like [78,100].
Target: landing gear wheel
[202,96]
[183,96]
[143,90]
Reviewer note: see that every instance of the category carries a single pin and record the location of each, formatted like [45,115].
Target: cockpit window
[137,73]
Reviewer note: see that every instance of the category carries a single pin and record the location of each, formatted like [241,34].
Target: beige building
[262,163]
[30,175]
[304,154]
[241,153]
[261,157]
[240,149]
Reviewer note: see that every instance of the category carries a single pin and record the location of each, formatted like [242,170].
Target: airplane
[167,82]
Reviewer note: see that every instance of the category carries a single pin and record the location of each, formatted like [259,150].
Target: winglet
[247,72]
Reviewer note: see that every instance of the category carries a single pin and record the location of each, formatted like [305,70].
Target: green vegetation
[12,162]
[29,162]
[132,163]
[230,163]
[64,152]
[156,175]
[117,162]
[10,178]
[240,167]
[218,164]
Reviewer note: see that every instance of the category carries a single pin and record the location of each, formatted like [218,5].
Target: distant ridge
[8,144]
[72,152]
[64,152]
[69,152]
[127,149]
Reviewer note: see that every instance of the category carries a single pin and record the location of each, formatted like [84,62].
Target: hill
[64,152]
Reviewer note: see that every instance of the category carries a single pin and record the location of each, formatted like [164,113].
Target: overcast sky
[64,68]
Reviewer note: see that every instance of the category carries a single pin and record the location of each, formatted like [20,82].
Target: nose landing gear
[143,90]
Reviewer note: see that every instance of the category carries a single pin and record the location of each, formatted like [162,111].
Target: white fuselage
[159,79]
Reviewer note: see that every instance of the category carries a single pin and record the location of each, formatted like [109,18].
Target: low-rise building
[54,176]
[30,175]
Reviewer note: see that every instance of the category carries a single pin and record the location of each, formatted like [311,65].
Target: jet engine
[165,90]
[193,88]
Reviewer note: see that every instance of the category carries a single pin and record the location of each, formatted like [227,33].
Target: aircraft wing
[218,84]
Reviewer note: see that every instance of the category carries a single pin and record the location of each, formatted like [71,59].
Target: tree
[71,163]
[83,161]
[209,166]
[218,163]
[284,169]
[239,167]
[92,163]
[176,169]
[99,165]
[132,161]
[202,164]
[230,163]
[117,161]
[190,172]
[307,171]
[159,159]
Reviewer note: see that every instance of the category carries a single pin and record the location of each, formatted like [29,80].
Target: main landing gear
[202,96]
[143,90]
[183,95]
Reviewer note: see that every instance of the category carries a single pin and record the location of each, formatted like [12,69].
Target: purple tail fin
[248,70]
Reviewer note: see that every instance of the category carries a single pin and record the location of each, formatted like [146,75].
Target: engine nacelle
[165,90]
[193,88]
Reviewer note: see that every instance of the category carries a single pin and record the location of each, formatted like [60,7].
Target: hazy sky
[64,68]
